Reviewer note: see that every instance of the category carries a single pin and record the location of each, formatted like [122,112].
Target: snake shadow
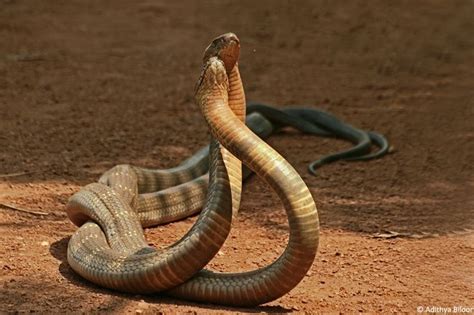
[58,250]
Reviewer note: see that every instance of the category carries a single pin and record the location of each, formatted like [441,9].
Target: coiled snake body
[109,247]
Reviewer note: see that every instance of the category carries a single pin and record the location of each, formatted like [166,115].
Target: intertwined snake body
[109,247]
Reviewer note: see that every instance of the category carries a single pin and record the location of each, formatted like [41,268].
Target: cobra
[109,247]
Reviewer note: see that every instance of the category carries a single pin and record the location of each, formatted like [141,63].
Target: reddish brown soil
[85,85]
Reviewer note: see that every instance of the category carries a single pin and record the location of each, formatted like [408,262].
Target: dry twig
[16,208]
[15,174]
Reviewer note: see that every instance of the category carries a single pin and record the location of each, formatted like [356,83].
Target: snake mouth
[226,47]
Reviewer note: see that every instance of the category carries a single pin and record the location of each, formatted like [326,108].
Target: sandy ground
[86,85]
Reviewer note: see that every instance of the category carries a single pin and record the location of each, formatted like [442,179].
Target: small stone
[44,243]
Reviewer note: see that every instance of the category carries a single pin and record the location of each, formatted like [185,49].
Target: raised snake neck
[268,283]
[121,259]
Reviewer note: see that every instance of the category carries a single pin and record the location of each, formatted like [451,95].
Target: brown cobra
[120,259]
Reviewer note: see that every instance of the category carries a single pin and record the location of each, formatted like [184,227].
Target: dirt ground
[86,85]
